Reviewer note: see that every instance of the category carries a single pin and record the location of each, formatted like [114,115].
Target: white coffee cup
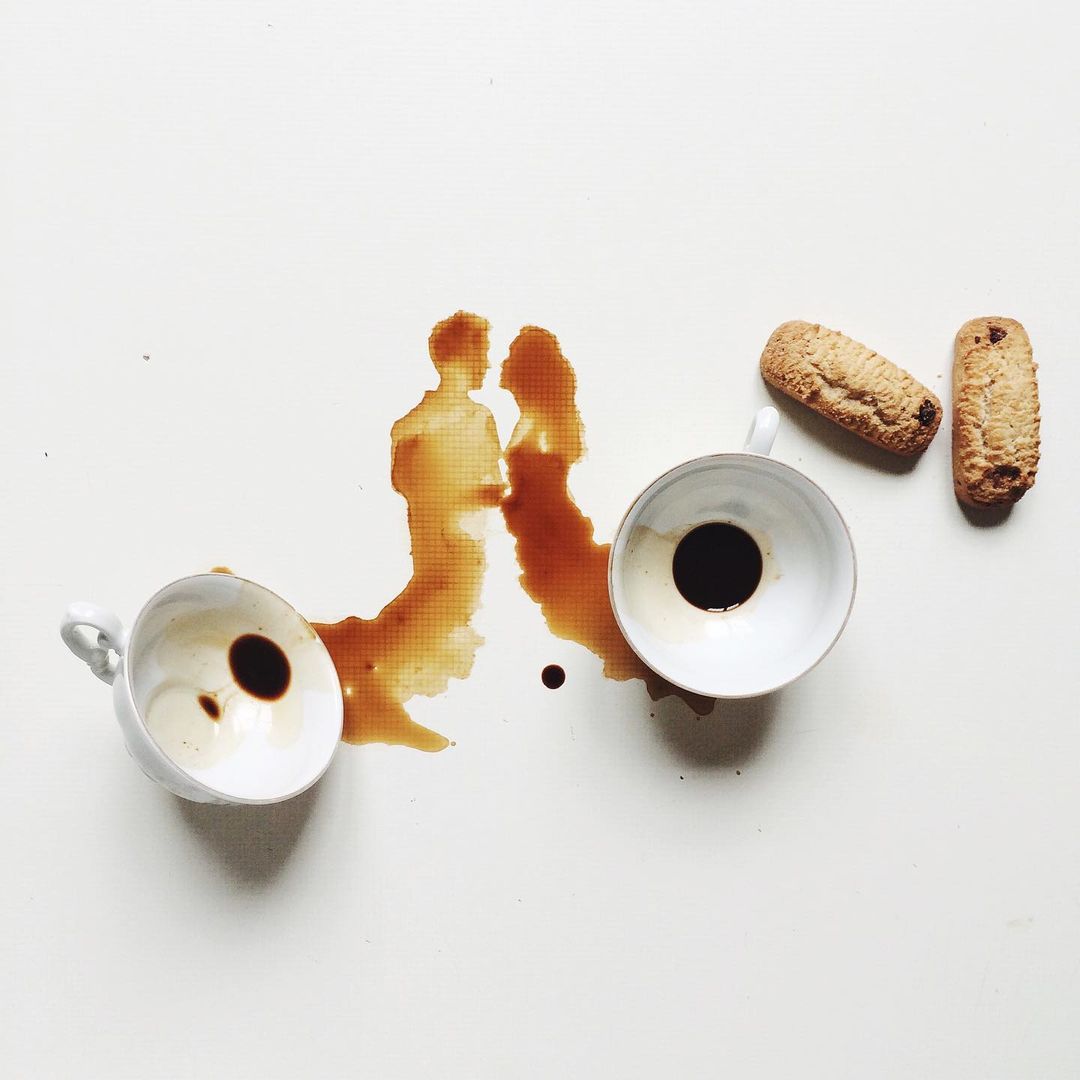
[798,609]
[217,644]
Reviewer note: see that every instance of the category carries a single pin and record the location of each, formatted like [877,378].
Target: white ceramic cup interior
[198,720]
[798,609]
[256,749]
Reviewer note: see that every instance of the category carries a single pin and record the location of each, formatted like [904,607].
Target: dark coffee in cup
[717,566]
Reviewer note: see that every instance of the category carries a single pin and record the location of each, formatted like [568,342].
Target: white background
[874,874]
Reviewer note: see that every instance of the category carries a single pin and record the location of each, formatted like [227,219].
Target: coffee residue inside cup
[717,566]
[210,706]
[259,666]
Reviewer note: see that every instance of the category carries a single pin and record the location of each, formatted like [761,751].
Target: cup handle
[762,433]
[111,638]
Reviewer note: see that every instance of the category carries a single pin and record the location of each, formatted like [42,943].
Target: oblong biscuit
[995,412]
[852,386]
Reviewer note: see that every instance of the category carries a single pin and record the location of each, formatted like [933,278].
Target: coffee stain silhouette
[562,567]
[445,461]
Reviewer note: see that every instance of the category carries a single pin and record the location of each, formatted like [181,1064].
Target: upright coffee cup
[732,575]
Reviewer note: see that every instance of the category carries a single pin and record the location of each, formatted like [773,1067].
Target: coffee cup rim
[757,459]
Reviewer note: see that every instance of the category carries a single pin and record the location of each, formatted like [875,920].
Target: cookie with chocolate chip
[995,412]
[852,385]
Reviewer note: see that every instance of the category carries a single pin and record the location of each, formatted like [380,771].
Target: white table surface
[874,874]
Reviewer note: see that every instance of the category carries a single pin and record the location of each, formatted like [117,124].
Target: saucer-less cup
[801,604]
[224,692]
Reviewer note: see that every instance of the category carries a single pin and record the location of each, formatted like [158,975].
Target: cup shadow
[734,733]
[839,439]
[251,844]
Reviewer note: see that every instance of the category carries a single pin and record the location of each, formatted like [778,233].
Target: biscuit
[852,386]
[995,412]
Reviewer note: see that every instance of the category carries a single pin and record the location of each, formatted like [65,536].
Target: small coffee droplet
[553,676]
[210,706]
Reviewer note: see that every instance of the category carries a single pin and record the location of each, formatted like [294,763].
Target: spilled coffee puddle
[445,462]
[563,569]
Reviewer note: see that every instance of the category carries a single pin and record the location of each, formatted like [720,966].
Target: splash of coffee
[445,462]
[563,569]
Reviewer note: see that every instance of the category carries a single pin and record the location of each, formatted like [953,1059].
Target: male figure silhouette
[445,463]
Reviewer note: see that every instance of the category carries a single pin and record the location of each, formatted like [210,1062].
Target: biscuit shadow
[252,844]
[839,439]
[734,733]
[985,517]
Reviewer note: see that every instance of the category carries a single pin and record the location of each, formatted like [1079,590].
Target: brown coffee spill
[563,569]
[220,570]
[445,462]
